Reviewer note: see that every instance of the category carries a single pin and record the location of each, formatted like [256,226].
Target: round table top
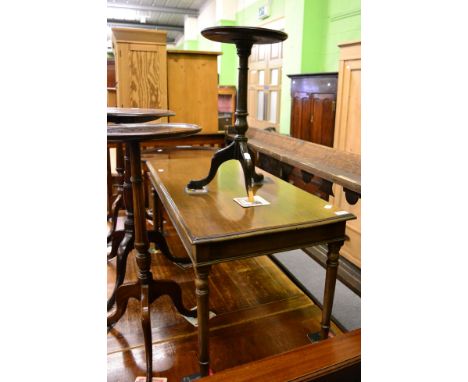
[235,35]
[135,115]
[149,131]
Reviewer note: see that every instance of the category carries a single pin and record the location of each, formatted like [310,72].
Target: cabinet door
[322,119]
[141,75]
[313,118]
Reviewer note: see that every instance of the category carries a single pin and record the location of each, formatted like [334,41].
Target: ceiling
[167,15]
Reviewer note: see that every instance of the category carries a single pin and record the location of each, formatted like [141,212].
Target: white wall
[242,4]
[190,28]
[226,9]
[207,18]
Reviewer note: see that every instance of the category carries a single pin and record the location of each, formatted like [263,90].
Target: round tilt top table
[243,38]
[146,289]
[123,199]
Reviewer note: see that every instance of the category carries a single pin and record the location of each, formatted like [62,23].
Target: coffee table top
[149,131]
[234,35]
[135,115]
[215,216]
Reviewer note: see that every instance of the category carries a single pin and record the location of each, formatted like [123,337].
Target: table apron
[265,244]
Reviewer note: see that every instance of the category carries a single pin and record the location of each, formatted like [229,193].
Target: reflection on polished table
[214,228]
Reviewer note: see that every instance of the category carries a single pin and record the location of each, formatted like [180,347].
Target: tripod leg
[258,178]
[249,169]
[218,159]
[122,255]
[159,240]
[117,238]
[170,288]
[116,206]
[122,295]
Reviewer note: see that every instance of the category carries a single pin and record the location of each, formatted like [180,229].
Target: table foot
[316,337]
[194,377]
[191,377]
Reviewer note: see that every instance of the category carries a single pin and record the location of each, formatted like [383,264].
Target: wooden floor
[259,312]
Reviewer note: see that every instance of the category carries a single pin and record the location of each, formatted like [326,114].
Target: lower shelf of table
[260,312]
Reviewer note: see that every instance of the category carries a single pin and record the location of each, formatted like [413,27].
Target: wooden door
[264,85]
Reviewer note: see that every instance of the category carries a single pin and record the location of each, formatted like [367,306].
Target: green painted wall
[314,28]
[314,35]
[292,55]
[190,45]
[344,25]
[328,23]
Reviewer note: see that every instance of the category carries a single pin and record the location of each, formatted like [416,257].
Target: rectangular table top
[215,217]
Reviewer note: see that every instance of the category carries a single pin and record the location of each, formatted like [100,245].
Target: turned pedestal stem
[141,244]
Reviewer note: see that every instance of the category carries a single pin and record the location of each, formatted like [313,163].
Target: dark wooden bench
[332,360]
[313,160]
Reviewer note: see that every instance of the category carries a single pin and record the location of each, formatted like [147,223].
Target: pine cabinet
[141,68]
[193,88]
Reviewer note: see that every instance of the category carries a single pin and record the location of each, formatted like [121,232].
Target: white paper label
[339,213]
[258,201]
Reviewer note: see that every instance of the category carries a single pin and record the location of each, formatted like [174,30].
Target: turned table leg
[143,256]
[202,293]
[330,282]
